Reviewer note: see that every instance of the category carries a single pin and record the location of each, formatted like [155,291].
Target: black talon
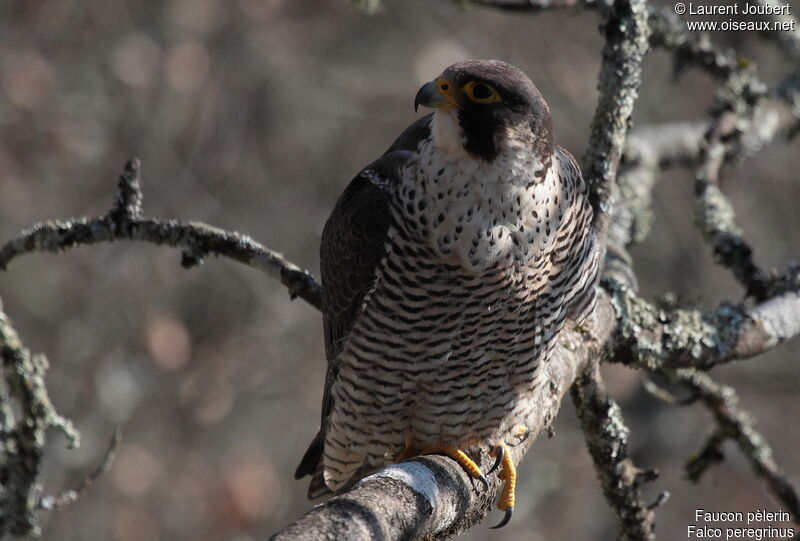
[500,451]
[509,511]
[483,481]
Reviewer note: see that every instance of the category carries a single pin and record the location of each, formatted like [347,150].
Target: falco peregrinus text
[449,266]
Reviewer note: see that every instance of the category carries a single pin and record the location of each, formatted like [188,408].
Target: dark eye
[444,87]
[481,91]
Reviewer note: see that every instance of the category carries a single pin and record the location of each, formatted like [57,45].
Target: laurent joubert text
[763,17]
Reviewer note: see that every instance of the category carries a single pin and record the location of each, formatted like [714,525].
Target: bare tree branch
[71,496]
[652,149]
[22,436]
[654,338]
[607,439]
[196,239]
[715,214]
[626,32]
[737,425]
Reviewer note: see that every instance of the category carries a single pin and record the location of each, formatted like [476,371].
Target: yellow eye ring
[479,92]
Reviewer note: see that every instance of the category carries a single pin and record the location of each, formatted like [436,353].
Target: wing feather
[580,246]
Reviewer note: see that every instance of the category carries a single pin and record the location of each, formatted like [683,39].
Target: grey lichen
[714,213]
[607,439]
[627,41]
[617,430]
[636,189]
[22,435]
[655,335]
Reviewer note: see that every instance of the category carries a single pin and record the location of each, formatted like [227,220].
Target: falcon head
[486,106]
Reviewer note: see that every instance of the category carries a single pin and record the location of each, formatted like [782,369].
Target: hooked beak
[439,93]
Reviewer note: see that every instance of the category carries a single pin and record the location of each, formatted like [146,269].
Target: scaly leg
[508,473]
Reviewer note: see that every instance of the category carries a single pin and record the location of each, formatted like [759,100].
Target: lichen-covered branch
[607,439]
[653,149]
[72,495]
[196,240]
[653,337]
[772,318]
[431,497]
[22,438]
[575,349]
[715,215]
[627,33]
[22,435]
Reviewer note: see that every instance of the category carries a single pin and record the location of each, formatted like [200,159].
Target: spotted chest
[478,214]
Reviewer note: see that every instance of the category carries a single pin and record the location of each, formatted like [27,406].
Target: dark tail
[311,464]
[308,464]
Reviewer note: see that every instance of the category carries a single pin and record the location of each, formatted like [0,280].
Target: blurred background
[253,115]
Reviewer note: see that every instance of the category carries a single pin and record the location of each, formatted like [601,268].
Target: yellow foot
[508,473]
[456,454]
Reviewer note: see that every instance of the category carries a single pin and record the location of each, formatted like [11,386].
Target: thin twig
[708,456]
[71,496]
[714,213]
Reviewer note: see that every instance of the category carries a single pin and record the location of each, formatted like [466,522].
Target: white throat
[446,131]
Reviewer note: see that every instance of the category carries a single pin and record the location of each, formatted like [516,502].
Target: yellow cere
[447,90]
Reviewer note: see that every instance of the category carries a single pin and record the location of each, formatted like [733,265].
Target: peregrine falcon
[449,266]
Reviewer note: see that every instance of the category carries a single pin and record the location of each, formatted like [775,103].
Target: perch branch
[413,515]
[124,222]
[432,496]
